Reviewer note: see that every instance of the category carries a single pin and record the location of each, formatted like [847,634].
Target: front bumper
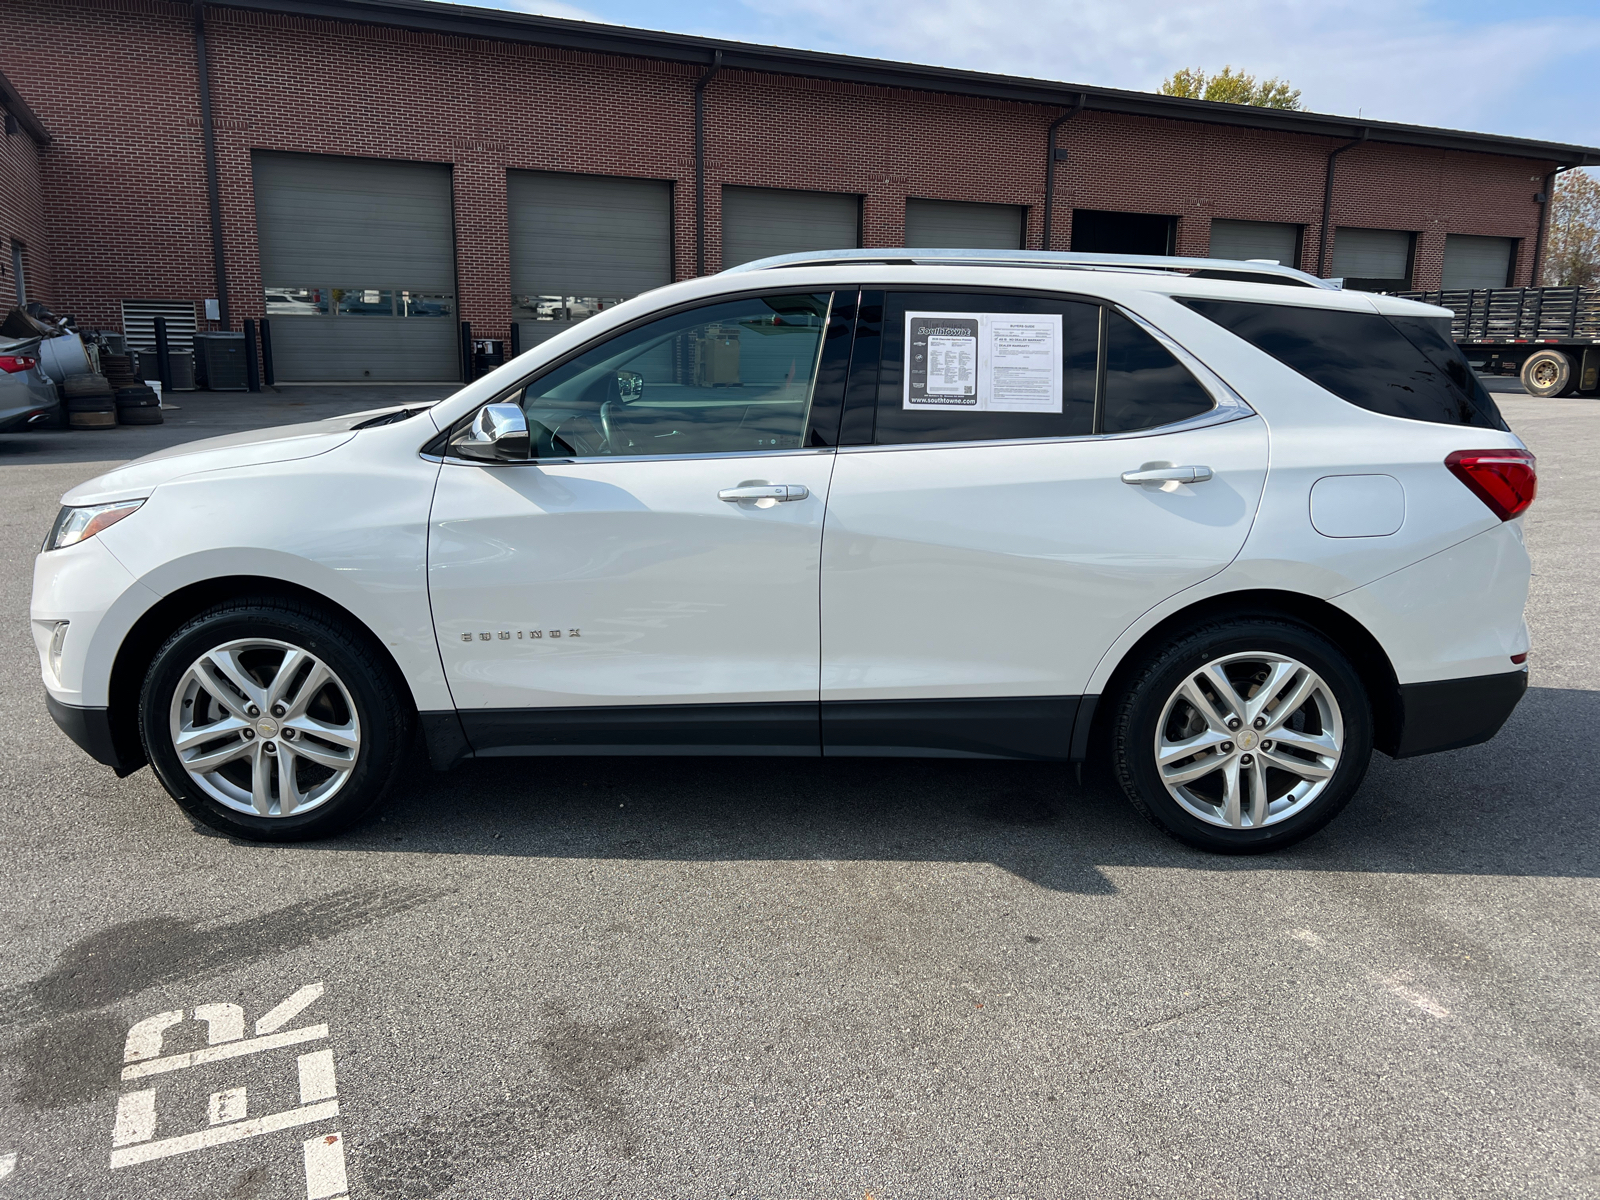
[91,729]
[1452,713]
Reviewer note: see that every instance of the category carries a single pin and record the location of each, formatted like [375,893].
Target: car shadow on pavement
[1524,804]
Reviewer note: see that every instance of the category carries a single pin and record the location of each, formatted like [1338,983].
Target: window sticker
[983,362]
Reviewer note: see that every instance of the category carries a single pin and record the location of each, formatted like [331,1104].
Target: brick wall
[114,80]
[22,219]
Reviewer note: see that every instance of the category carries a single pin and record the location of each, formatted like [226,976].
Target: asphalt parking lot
[796,979]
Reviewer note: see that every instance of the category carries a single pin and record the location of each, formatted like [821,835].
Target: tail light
[1505,480]
[12,363]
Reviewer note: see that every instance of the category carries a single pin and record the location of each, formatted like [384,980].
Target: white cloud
[1385,59]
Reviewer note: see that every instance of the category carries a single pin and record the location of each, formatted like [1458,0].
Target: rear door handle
[1167,475]
[764,491]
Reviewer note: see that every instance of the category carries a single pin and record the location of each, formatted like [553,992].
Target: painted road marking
[1395,984]
[227,1106]
[278,1017]
[179,1062]
[136,1118]
[325,1176]
[133,1133]
[317,1080]
[222,1134]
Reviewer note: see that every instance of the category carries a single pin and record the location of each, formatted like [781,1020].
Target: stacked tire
[91,402]
[136,402]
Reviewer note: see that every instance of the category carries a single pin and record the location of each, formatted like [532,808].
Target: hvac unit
[219,361]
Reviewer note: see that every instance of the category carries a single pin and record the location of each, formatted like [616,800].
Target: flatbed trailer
[1547,336]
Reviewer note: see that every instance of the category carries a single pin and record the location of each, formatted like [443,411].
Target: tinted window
[1431,335]
[1364,358]
[729,377]
[1145,385]
[967,367]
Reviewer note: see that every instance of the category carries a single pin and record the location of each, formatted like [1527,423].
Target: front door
[649,580]
[983,551]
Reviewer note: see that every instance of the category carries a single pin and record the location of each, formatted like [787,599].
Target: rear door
[982,550]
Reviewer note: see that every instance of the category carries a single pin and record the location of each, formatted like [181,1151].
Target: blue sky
[1522,68]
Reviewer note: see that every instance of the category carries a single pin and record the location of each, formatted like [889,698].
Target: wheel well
[1366,655]
[167,614]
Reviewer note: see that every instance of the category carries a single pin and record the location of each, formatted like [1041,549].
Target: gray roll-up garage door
[1255,239]
[580,243]
[1373,260]
[761,222]
[953,225]
[358,265]
[1476,262]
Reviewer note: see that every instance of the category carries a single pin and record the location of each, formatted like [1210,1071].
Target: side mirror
[630,386]
[499,433]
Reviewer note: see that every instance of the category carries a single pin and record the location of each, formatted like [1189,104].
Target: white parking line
[325,1176]
[276,1018]
[223,1134]
[8,1163]
[1395,984]
[179,1062]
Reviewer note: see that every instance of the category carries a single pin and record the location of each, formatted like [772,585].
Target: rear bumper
[1452,713]
[91,729]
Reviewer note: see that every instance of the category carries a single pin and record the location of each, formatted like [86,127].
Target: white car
[1223,524]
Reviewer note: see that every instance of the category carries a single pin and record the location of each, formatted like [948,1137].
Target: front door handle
[1158,475]
[777,492]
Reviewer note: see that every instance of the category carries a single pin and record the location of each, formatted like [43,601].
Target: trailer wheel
[1548,373]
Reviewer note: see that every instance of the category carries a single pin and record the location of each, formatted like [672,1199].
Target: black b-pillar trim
[861,393]
[833,370]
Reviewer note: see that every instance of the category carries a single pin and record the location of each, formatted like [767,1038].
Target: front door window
[726,378]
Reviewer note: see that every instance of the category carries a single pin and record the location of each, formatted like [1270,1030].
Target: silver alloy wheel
[1249,740]
[265,727]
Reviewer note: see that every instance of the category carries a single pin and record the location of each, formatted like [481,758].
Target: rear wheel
[1548,373]
[272,721]
[1243,737]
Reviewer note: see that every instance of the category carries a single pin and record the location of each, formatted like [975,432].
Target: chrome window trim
[789,452]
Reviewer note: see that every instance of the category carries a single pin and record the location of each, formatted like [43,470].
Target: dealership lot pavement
[795,979]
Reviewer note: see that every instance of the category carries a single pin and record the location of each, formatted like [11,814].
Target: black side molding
[710,729]
[1452,713]
[1036,727]
[91,729]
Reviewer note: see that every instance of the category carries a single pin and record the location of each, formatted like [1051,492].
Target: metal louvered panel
[354,222]
[139,323]
[1255,239]
[761,222]
[1476,262]
[953,225]
[588,235]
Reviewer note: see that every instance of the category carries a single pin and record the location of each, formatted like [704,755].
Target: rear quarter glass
[1371,361]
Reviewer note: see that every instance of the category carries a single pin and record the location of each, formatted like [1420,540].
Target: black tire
[1137,712]
[376,693]
[91,404]
[86,385]
[91,420]
[1548,373]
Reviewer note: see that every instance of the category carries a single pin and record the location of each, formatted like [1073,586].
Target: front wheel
[271,721]
[1244,736]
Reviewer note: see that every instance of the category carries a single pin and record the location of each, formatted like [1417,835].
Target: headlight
[74,525]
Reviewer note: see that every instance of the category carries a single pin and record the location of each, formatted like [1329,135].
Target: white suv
[1222,523]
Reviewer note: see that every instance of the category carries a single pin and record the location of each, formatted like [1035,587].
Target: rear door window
[1400,367]
[978,367]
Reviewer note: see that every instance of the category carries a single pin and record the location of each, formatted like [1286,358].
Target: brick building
[369,173]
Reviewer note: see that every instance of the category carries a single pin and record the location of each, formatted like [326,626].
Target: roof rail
[1249,270]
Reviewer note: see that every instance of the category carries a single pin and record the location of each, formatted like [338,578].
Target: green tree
[1572,240]
[1228,86]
